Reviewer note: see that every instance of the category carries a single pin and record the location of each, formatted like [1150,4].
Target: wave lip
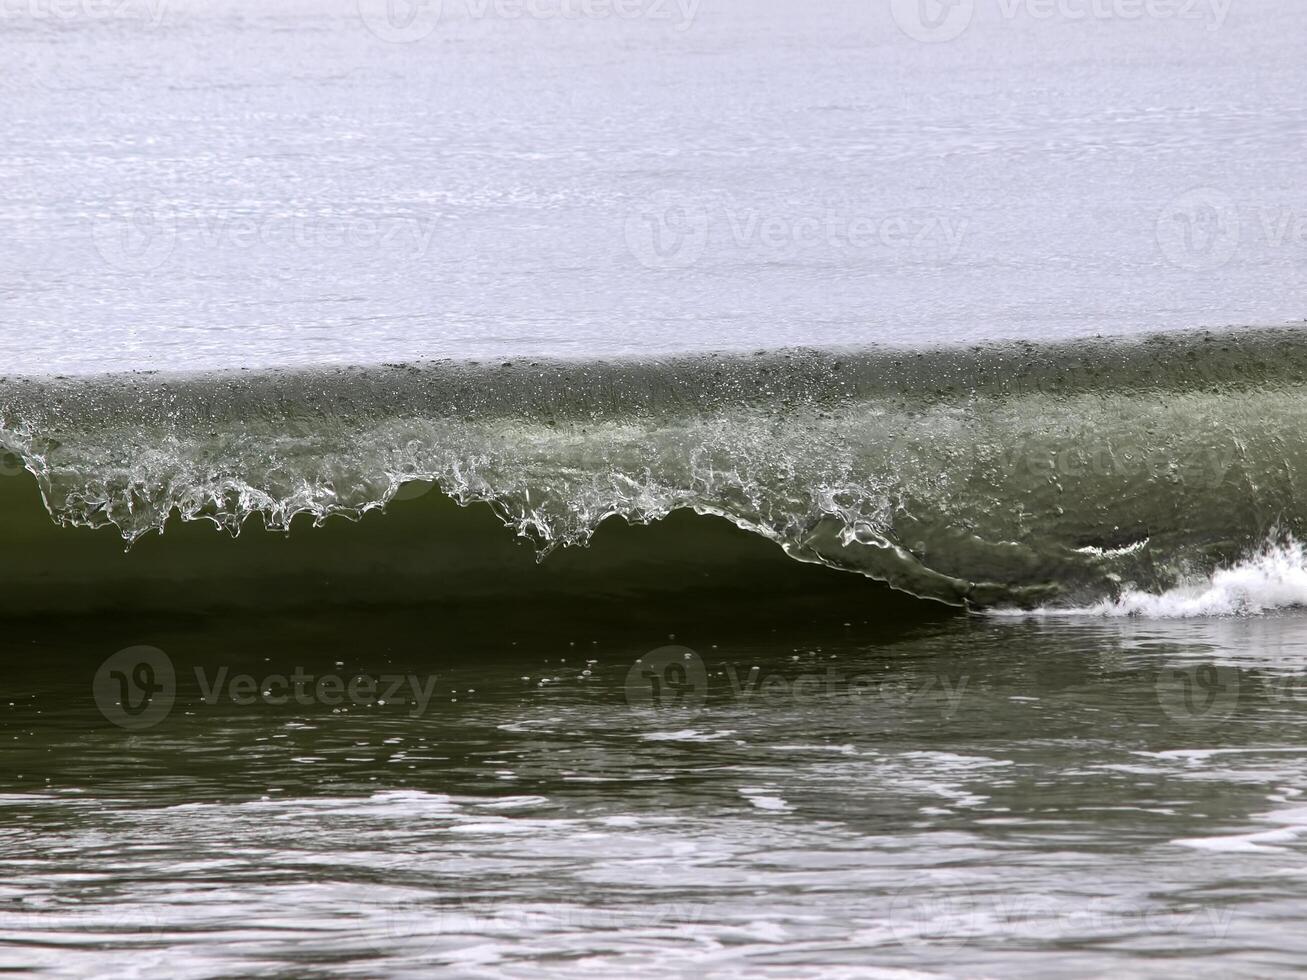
[1026,474]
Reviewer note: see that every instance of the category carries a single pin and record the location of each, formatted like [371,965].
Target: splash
[1272,579]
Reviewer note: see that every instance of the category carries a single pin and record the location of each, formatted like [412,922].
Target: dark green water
[830,786]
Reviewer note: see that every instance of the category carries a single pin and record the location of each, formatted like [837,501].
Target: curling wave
[1022,474]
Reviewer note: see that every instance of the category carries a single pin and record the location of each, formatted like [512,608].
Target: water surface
[200,184]
[965,796]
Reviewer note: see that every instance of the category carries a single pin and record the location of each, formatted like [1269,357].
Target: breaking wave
[1273,579]
[1102,471]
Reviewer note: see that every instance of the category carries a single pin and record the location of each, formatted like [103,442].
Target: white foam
[1292,821]
[685,735]
[1274,578]
[765,798]
[1265,841]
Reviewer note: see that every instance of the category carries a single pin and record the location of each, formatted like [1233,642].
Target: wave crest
[1024,474]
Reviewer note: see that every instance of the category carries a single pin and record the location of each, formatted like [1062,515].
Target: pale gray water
[195,184]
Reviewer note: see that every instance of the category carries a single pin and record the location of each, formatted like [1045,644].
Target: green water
[824,789]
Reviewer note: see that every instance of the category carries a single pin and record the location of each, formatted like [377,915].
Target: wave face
[1023,474]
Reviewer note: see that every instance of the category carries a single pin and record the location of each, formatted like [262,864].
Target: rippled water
[205,183]
[969,796]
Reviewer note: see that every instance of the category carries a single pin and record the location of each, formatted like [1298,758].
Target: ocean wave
[1271,580]
[1023,474]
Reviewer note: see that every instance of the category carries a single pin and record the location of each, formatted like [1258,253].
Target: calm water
[956,796]
[199,183]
